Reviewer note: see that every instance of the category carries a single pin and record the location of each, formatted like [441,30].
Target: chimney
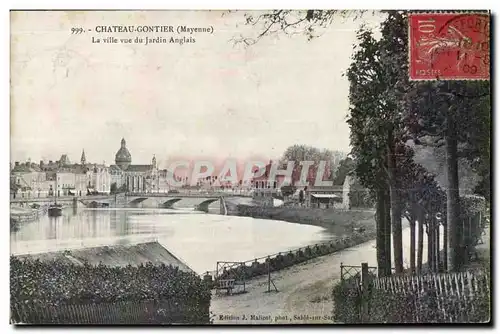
[41,163]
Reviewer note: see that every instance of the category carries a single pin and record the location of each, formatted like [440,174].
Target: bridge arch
[137,201]
[169,204]
[203,206]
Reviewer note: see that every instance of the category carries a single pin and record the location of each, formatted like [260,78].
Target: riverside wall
[338,222]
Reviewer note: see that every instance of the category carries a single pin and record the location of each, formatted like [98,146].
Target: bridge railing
[59,198]
[189,194]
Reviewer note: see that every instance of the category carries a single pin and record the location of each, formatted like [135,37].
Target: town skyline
[161,163]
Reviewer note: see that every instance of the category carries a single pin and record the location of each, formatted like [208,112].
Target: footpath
[304,290]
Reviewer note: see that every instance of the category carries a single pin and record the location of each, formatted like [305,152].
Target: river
[198,239]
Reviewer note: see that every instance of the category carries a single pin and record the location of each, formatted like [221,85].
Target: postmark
[449,46]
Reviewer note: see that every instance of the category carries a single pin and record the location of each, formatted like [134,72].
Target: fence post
[268,274]
[364,292]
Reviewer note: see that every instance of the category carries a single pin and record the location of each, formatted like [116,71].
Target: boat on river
[95,204]
[55,210]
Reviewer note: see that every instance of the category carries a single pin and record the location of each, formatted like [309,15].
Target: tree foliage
[468,103]
[308,23]
[346,166]
[299,153]
[378,77]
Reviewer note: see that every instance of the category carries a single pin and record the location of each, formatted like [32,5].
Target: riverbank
[338,222]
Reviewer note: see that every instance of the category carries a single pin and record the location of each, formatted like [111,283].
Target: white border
[186,4]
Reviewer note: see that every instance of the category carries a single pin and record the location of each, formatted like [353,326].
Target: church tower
[83,160]
[153,162]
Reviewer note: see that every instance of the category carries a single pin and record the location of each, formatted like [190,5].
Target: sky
[210,98]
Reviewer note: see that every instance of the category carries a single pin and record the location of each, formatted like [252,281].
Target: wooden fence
[454,297]
[442,298]
[123,312]
[278,261]
[353,272]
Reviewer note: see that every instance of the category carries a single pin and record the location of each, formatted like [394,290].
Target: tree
[394,64]
[379,79]
[298,153]
[113,188]
[455,115]
[292,22]
[345,167]
[369,137]
[423,199]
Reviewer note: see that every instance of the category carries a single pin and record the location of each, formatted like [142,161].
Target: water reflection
[197,238]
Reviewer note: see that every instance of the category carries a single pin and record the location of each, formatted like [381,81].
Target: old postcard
[250,167]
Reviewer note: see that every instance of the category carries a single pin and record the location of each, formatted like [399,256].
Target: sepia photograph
[250,167]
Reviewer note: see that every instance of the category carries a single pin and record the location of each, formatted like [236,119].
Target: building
[100,179]
[133,178]
[59,178]
[324,197]
[27,180]
[90,178]
[65,184]
[263,189]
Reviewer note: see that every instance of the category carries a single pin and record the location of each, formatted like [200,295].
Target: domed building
[133,178]
[123,157]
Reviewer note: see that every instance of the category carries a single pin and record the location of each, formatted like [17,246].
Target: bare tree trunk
[455,256]
[380,221]
[397,237]
[436,229]
[396,210]
[420,251]
[430,253]
[387,231]
[445,244]
[412,221]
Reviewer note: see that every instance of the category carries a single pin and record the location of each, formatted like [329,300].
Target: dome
[123,157]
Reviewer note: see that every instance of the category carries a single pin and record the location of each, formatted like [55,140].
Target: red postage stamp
[449,46]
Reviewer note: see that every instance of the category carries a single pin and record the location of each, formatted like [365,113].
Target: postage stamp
[449,46]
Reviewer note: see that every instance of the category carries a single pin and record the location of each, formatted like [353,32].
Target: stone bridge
[167,200]
[198,201]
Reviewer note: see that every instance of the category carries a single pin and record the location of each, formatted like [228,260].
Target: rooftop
[26,169]
[139,168]
[325,188]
